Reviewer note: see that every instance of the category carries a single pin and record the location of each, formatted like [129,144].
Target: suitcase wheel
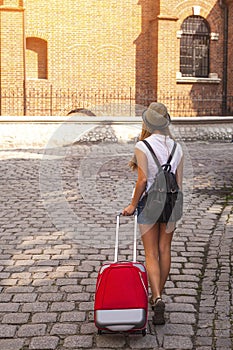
[99,331]
[144,332]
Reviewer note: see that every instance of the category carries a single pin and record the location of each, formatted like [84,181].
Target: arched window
[36,58]
[194,47]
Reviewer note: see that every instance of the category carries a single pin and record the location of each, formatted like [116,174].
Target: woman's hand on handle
[129,210]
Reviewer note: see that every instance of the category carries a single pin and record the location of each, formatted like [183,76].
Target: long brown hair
[144,134]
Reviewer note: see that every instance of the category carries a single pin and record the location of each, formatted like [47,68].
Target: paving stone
[182,307]
[137,342]
[11,344]
[85,306]
[78,341]
[79,297]
[34,307]
[177,342]
[25,297]
[9,307]
[5,298]
[185,318]
[185,299]
[64,328]
[206,332]
[181,291]
[31,330]
[71,288]
[88,328]
[73,316]
[51,297]
[7,331]
[19,289]
[204,341]
[44,317]
[63,306]
[225,343]
[66,281]
[110,341]
[186,278]
[48,289]
[44,343]
[16,318]
[222,333]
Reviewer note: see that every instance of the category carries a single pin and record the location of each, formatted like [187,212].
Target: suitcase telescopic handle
[134,239]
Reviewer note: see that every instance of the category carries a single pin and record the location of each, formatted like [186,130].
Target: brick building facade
[131,50]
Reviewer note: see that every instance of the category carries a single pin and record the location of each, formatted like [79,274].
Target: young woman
[156,236]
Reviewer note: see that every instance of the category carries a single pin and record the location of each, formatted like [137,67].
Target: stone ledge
[112,120]
[49,135]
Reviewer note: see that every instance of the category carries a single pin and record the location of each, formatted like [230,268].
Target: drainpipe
[223,6]
[24,63]
[0,66]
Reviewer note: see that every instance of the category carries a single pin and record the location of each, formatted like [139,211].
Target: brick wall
[11,56]
[90,43]
[106,45]
[11,46]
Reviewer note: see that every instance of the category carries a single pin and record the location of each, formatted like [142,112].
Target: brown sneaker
[159,307]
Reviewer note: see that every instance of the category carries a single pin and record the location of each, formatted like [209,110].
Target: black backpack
[164,199]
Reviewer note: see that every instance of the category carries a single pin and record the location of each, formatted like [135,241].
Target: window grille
[194,47]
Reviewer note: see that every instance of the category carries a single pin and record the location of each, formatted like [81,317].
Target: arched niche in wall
[36,58]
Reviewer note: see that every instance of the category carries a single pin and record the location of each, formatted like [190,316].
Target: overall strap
[154,155]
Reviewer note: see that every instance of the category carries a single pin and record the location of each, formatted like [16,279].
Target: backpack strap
[166,166]
[172,153]
[152,153]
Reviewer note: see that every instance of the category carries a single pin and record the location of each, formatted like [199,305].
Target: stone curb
[55,134]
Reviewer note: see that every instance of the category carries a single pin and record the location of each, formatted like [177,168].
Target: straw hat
[156,116]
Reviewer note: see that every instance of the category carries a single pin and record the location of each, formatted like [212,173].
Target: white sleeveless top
[162,146]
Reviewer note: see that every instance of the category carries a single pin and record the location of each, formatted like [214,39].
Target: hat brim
[152,127]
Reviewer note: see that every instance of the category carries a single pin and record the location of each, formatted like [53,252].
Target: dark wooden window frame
[194,47]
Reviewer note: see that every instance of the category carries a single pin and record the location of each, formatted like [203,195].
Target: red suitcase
[121,298]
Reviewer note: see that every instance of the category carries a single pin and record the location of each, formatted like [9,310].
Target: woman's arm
[179,173]
[140,184]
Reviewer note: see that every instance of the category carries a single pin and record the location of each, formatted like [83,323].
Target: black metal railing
[59,102]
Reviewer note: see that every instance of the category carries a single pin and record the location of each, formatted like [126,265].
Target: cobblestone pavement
[58,225]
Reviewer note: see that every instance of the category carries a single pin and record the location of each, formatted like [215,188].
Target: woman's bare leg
[165,240]
[157,246]
[150,239]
